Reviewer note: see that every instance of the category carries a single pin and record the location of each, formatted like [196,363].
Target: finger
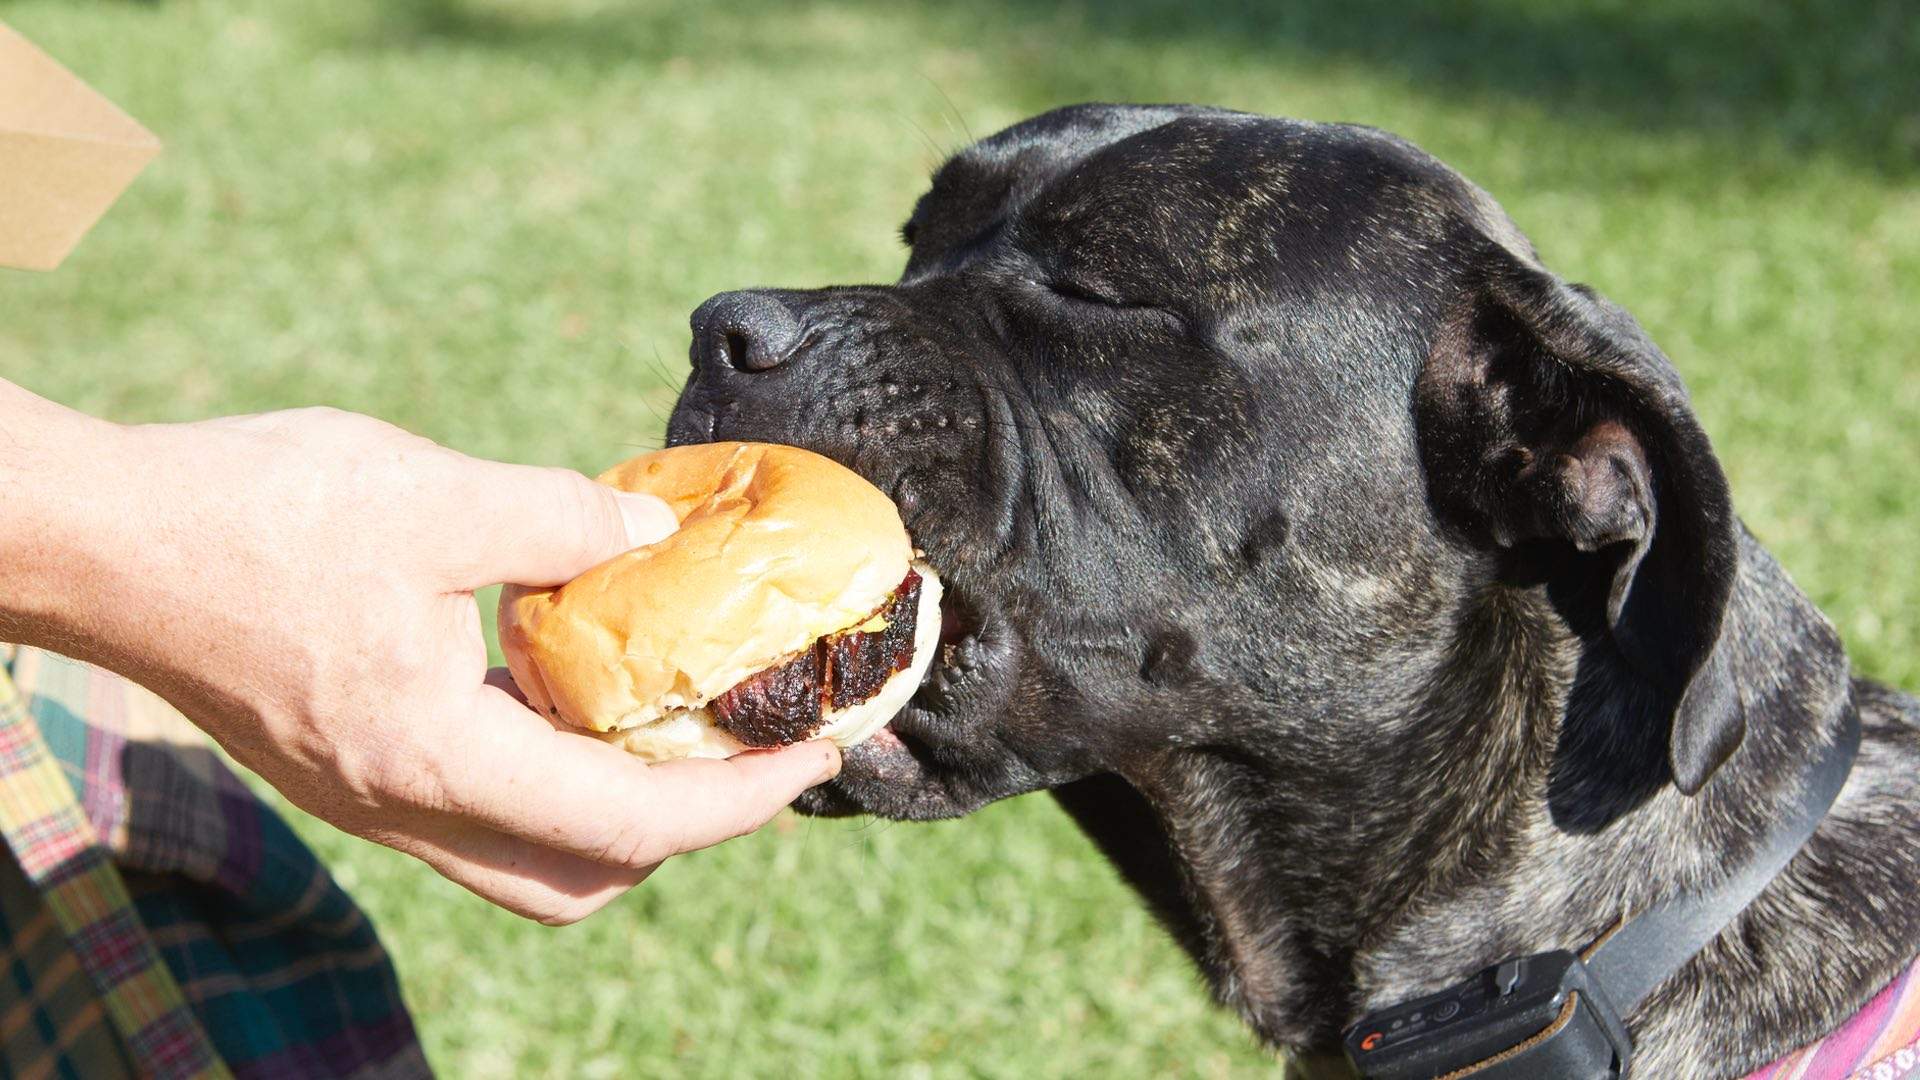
[501,679]
[538,883]
[574,793]
[541,526]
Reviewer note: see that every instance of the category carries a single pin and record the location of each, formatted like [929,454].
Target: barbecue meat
[784,703]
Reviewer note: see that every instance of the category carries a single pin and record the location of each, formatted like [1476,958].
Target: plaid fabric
[1880,1042]
[58,854]
[274,963]
[52,1021]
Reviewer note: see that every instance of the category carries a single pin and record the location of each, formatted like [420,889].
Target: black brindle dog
[1368,593]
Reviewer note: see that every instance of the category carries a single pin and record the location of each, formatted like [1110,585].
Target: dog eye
[1077,294]
[1080,294]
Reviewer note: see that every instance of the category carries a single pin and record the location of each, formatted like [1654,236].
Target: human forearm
[55,567]
[114,548]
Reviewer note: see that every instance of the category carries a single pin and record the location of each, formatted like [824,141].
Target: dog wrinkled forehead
[975,189]
[1210,189]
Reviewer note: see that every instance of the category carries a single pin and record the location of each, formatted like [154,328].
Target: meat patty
[785,703]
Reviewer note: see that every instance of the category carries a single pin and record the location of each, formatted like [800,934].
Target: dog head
[1216,426]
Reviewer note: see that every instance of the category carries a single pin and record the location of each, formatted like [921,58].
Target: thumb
[547,526]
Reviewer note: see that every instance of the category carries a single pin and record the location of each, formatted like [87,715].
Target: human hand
[300,585]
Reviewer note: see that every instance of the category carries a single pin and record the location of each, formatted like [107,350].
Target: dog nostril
[737,347]
[750,331]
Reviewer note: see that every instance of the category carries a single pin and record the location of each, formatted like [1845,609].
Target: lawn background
[485,220]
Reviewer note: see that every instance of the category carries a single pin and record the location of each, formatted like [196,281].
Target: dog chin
[914,767]
[887,776]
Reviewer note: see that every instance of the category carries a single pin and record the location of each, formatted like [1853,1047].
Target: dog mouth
[960,647]
[956,668]
[918,765]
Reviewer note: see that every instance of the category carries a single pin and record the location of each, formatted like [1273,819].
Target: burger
[790,605]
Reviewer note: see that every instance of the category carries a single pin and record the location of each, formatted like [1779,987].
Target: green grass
[486,220]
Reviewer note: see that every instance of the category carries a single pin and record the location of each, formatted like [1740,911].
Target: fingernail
[648,519]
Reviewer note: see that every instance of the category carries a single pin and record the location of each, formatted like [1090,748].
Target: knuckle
[407,662]
[390,776]
[325,428]
[583,507]
[321,414]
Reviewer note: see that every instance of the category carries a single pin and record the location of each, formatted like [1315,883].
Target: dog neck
[1311,891]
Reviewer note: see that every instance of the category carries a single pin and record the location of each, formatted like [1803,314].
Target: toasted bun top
[777,547]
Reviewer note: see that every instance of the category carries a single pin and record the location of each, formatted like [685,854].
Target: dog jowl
[1370,594]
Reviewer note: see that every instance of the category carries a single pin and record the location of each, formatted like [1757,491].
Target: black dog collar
[1558,1015]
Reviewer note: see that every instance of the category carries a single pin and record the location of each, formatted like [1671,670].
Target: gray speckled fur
[1272,579]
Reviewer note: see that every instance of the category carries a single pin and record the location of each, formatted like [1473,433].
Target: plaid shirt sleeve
[158,850]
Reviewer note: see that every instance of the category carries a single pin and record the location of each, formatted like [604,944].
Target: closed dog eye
[1079,294]
[1082,294]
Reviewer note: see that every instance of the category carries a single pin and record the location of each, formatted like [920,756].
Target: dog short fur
[1370,595]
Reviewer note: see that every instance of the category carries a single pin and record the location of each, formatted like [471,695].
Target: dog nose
[746,331]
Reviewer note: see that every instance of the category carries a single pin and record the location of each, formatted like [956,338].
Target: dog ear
[1549,421]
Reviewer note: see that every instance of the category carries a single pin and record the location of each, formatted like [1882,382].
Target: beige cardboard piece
[65,154]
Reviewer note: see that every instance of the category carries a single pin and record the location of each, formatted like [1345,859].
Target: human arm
[299,584]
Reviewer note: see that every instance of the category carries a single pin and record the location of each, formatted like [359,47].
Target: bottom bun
[692,732]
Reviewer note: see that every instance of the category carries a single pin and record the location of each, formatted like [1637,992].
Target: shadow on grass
[1839,78]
